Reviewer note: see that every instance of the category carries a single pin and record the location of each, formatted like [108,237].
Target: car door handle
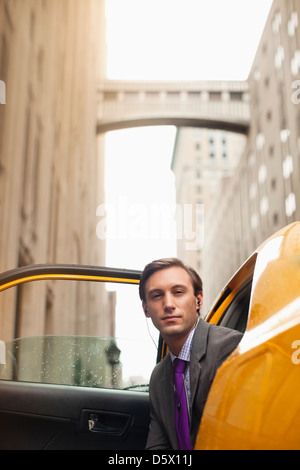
[95,425]
[108,422]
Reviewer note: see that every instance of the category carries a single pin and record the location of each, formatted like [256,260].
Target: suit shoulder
[159,368]
[223,340]
[222,332]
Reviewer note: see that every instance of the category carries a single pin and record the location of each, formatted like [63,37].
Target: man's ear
[145,309]
[199,299]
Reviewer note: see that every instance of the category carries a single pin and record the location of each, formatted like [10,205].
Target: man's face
[171,302]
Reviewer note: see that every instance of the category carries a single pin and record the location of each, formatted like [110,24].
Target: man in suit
[172,296]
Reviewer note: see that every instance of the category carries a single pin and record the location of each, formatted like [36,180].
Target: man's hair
[164,263]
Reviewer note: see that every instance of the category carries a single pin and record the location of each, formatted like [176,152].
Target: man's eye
[156,296]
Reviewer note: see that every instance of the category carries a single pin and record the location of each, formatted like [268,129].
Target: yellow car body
[254,400]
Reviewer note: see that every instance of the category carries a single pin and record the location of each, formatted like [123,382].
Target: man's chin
[173,330]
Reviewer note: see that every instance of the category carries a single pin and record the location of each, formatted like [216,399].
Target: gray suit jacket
[210,347]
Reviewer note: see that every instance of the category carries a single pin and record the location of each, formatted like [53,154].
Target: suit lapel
[168,385]
[198,350]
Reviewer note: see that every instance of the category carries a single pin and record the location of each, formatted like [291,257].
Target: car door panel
[41,416]
[65,387]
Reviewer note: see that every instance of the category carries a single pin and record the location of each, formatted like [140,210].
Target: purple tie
[181,412]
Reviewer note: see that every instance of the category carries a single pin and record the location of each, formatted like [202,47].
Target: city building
[202,158]
[263,194]
[52,55]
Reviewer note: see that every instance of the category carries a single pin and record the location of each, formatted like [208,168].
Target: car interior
[75,391]
[236,314]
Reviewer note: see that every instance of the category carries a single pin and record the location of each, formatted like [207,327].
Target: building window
[287,166]
[264,205]
[279,57]
[262,173]
[276,22]
[284,135]
[260,141]
[293,23]
[110,96]
[295,63]
[236,96]
[215,96]
[290,204]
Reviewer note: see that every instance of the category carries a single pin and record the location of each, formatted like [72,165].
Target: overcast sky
[166,39]
[183,39]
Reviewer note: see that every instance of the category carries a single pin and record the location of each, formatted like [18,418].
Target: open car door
[73,388]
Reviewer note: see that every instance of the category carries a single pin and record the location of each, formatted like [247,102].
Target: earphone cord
[156,347]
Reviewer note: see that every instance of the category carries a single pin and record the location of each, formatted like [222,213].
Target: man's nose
[168,301]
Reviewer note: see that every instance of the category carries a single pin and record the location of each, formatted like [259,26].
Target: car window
[231,309]
[236,314]
[79,333]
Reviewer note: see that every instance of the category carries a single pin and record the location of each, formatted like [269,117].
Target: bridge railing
[118,102]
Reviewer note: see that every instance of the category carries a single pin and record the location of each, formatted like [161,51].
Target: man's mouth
[170,317]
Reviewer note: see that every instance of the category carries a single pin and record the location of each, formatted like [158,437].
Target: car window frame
[28,274]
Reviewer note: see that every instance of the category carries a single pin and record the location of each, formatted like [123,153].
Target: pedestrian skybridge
[220,105]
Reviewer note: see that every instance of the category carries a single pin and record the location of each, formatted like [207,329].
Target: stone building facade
[263,195]
[52,55]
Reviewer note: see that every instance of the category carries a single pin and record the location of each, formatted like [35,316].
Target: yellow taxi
[254,401]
